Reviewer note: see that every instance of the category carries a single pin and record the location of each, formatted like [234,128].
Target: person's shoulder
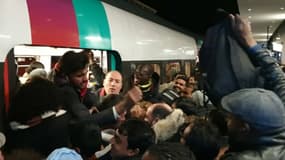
[67,88]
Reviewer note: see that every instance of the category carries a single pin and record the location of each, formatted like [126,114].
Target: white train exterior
[82,24]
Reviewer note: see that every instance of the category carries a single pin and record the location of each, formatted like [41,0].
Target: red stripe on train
[6,86]
[53,22]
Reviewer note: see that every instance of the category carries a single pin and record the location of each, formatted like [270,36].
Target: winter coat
[166,128]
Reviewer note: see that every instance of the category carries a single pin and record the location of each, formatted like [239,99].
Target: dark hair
[33,99]
[72,61]
[217,117]
[86,135]
[170,151]
[177,74]
[187,105]
[204,140]
[160,112]
[183,77]
[140,134]
[147,67]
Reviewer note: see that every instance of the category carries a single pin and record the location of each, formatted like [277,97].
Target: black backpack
[225,64]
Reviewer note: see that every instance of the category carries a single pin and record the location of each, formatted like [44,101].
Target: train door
[48,56]
[19,58]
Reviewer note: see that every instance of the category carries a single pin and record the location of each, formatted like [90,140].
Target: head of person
[178,74]
[132,139]
[191,80]
[180,83]
[252,115]
[139,110]
[143,74]
[34,99]
[187,105]
[113,82]
[203,138]
[168,151]
[74,66]
[39,72]
[189,89]
[85,137]
[35,65]
[157,111]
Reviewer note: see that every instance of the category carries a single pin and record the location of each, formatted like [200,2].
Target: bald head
[156,112]
[113,82]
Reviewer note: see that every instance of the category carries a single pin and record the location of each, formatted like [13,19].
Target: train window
[156,68]
[48,56]
[165,69]
[23,62]
[171,69]
[188,68]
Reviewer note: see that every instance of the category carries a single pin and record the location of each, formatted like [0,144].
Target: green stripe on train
[93,26]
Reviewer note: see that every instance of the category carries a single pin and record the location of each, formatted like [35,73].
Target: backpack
[224,64]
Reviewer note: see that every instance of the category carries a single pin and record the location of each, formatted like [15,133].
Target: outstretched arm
[270,70]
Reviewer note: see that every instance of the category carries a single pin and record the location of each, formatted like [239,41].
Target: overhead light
[168,50]
[249,9]
[281,8]
[262,34]
[5,36]
[277,46]
[278,16]
[249,17]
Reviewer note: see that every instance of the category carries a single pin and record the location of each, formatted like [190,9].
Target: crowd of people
[58,116]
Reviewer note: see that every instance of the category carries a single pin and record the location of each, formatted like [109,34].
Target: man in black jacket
[148,81]
[71,76]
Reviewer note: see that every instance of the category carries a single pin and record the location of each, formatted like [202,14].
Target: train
[120,39]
